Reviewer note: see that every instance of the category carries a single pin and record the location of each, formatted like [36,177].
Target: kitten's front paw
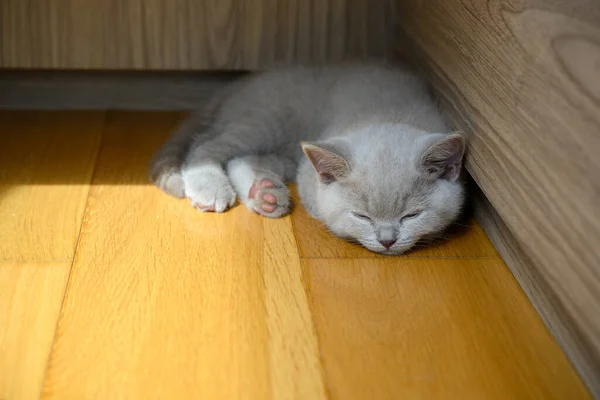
[269,197]
[208,189]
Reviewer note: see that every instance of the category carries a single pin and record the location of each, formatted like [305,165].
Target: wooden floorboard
[31,294]
[433,329]
[164,301]
[552,312]
[46,165]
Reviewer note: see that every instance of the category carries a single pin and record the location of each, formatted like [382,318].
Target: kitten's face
[392,194]
[390,215]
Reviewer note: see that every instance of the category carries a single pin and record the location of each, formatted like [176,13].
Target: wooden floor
[110,289]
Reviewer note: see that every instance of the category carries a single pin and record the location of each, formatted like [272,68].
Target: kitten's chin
[393,251]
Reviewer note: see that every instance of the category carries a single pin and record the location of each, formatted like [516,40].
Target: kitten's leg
[206,183]
[242,126]
[165,166]
[260,183]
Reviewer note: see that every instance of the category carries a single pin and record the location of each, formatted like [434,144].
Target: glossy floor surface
[110,289]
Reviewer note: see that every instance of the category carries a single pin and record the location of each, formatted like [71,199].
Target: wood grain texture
[314,241]
[536,288]
[31,294]
[521,79]
[46,165]
[165,301]
[433,329]
[190,34]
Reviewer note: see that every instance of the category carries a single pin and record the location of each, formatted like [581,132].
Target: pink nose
[387,243]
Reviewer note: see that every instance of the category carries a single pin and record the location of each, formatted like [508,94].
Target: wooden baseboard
[91,90]
[539,293]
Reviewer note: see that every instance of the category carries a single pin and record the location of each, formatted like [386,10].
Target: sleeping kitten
[369,150]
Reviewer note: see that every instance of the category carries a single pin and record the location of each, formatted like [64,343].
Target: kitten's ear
[443,159]
[329,166]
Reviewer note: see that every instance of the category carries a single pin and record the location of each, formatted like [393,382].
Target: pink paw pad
[263,183]
[268,198]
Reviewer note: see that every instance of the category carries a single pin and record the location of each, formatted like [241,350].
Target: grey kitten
[369,150]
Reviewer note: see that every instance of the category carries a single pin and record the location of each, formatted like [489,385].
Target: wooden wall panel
[521,78]
[190,34]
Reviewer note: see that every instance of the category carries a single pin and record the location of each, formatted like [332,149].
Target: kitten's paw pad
[269,198]
[209,190]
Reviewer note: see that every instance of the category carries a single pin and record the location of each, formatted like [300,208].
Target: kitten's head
[388,186]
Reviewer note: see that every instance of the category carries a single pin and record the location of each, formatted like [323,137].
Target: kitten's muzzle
[387,243]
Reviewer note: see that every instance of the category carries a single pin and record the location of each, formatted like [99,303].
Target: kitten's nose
[387,243]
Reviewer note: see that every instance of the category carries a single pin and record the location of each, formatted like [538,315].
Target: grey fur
[379,147]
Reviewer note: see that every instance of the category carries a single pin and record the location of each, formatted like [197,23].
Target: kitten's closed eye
[410,216]
[361,216]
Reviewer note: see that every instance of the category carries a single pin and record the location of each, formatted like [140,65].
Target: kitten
[366,144]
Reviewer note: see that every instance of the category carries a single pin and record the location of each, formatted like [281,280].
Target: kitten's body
[378,151]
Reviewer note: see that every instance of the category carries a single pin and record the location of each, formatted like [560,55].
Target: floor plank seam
[83,220]
[392,258]
[33,260]
[313,324]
